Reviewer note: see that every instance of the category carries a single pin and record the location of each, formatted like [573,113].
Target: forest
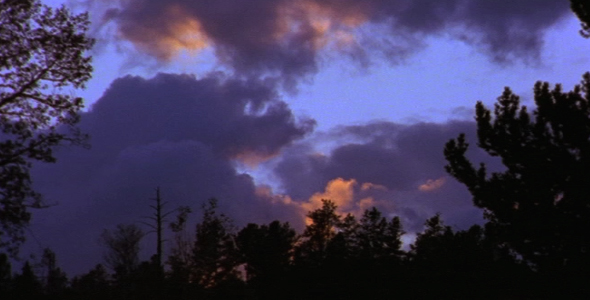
[534,244]
[335,257]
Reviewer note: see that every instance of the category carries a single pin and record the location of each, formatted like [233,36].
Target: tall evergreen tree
[377,237]
[214,252]
[319,233]
[539,205]
[266,250]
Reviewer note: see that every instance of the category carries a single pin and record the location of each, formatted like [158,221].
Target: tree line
[335,257]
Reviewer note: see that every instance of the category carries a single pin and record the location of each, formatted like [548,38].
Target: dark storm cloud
[233,117]
[173,131]
[285,37]
[406,161]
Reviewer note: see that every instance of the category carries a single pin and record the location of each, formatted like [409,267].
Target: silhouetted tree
[427,240]
[54,279]
[266,250]
[146,282]
[582,9]
[122,248]
[378,238]
[319,232]
[445,264]
[214,252]
[26,285]
[5,274]
[42,56]
[265,254]
[180,259]
[345,244]
[539,205]
[158,218]
[93,285]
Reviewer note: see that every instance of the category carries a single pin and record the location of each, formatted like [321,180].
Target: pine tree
[214,252]
[539,205]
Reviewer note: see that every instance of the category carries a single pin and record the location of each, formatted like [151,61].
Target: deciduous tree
[42,60]
[122,248]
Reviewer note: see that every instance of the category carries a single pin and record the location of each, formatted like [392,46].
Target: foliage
[266,250]
[92,285]
[5,273]
[26,285]
[42,58]
[539,205]
[582,9]
[214,251]
[320,231]
[462,263]
[377,237]
[180,258]
[122,248]
[54,279]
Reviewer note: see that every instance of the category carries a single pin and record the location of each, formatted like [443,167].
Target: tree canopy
[539,205]
[582,9]
[43,56]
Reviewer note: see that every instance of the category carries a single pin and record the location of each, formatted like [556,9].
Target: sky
[271,106]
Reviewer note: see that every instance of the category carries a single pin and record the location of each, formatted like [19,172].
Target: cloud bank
[398,168]
[286,38]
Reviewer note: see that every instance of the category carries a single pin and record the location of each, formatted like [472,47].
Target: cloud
[388,165]
[235,118]
[339,190]
[175,132]
[349,196]
[432,185]
[286,39]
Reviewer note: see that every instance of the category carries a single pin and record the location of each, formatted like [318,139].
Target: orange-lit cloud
[329,25]
[432,185]
[339,190]
[366,203]
[348,195]
[175,31]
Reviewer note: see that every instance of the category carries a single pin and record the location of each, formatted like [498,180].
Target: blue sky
[291,102]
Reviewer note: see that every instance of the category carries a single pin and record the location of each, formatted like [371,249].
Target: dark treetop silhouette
[539,205]
[582,9]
